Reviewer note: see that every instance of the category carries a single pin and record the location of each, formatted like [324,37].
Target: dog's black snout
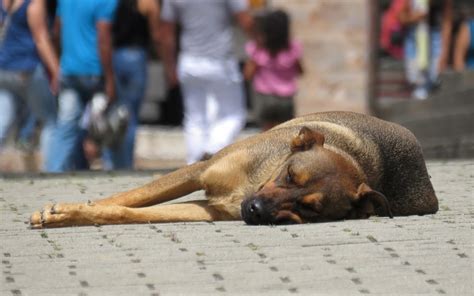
[255,207]
[254,212]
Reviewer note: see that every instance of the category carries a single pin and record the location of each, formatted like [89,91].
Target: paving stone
[430,254]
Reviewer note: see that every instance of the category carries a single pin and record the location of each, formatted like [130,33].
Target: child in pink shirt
[274,63]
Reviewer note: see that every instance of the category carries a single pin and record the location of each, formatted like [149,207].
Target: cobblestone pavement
[406,255]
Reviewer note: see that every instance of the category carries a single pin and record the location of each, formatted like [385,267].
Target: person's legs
[409,56]
[414,75]
[276,110]
[43,105]
[195,119]
[12,96]
[80,161]
[131,77]
[66,137]
[46,142]
[230,115]
[7,114]
[435,54]
[25,138]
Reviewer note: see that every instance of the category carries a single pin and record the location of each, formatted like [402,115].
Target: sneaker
[420,93]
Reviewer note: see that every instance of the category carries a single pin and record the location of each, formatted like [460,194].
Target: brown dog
[320,167]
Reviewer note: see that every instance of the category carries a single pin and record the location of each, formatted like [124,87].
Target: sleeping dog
[315,168]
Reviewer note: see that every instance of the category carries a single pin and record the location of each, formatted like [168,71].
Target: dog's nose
[253,212]
[255,207]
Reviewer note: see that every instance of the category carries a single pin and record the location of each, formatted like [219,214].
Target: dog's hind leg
[170,186]
[61,215]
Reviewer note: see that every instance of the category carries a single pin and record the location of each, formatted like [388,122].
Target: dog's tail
[170,186]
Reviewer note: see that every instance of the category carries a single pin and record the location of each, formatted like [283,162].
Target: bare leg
[61,215]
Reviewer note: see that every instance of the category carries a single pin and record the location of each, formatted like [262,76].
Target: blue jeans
[44,107]
[13,96]
[27,130]
[130,66]
[66,146]
[423,79]
[7,114]
[16,91]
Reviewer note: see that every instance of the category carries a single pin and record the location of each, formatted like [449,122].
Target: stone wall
[335,35]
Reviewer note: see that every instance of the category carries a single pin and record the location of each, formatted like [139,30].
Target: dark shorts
[272,108]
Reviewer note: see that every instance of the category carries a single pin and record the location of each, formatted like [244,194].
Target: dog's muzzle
[255,211]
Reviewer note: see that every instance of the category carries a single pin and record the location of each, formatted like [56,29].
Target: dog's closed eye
[289,177]
[292,178]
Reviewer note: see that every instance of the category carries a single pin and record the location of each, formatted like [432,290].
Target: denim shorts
[15,82]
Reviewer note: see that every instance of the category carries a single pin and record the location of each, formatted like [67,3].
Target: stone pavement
[428,255]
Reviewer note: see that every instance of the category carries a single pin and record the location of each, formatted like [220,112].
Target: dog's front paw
[56,215]
[36,220]
[47,217]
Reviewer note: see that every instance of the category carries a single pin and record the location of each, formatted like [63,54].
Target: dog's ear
[306,139]
[366,200]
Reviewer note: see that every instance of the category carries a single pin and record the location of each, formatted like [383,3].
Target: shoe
[420,93]
[25,145]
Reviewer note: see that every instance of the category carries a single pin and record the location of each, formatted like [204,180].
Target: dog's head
[315,184]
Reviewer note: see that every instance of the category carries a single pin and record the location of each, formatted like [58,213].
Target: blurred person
[427,42]
[85,32]
[274,64]
[207,70]
[391,30]
[23,82]
[26,136]
[135,25]
[464,46]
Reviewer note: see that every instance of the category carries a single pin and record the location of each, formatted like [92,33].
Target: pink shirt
[275,75]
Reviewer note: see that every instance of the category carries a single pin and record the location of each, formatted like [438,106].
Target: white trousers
[214,105]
